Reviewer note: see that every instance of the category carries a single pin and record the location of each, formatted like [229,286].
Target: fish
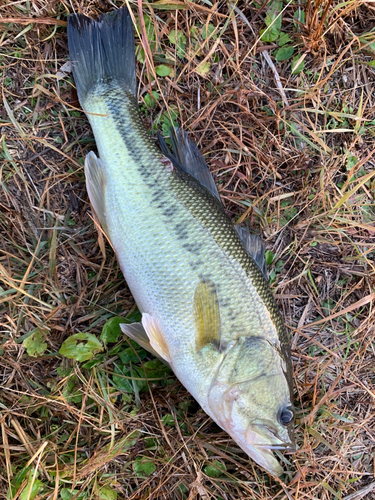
[199,281]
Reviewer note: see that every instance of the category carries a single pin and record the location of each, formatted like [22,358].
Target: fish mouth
[265,435]
[282,446]
[258,437]
[261,439]
[263,455]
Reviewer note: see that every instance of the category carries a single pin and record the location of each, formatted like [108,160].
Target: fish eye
[286,415]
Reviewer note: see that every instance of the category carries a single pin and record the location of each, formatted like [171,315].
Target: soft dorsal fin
[187,156]
[207,315]
[255,247]
[95,183]
[148,335]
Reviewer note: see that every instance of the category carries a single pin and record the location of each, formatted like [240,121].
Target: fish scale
[206,307]
[130,192]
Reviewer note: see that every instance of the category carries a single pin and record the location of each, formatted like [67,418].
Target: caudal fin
[102,51]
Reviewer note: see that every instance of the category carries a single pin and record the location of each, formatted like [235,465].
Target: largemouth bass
[207,309]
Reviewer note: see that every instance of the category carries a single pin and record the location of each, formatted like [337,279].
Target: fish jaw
[263,453]
[258,439]
[262,456]
[246,401]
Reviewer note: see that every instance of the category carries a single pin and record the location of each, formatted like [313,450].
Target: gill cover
[247,396]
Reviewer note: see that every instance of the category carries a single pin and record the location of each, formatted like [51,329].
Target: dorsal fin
[187,156]
[255,247]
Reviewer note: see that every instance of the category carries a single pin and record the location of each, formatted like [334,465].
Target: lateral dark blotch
[181,231]
[195,264]
[168,212]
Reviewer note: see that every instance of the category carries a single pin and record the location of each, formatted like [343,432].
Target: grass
[280,98]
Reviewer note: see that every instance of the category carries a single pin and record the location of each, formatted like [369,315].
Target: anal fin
[96,184]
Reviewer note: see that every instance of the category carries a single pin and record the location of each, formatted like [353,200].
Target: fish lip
[263,452]
[263,455]
[262,439]
[282,446]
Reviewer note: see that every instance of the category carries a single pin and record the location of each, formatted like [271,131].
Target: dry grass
[291,154]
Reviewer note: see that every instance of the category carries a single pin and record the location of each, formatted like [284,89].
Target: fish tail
[102,51]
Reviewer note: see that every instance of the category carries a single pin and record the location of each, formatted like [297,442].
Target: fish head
[251,399]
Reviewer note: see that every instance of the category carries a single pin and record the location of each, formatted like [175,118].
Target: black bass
[207,309]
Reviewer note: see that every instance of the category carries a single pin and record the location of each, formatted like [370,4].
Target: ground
[279,98]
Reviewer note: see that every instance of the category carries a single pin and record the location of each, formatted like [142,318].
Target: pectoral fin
[95,182]
[207,316]
[148,335]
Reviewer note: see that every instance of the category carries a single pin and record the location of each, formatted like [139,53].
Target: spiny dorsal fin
[95,183]
[187,156]
[207,315]
[255,247]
